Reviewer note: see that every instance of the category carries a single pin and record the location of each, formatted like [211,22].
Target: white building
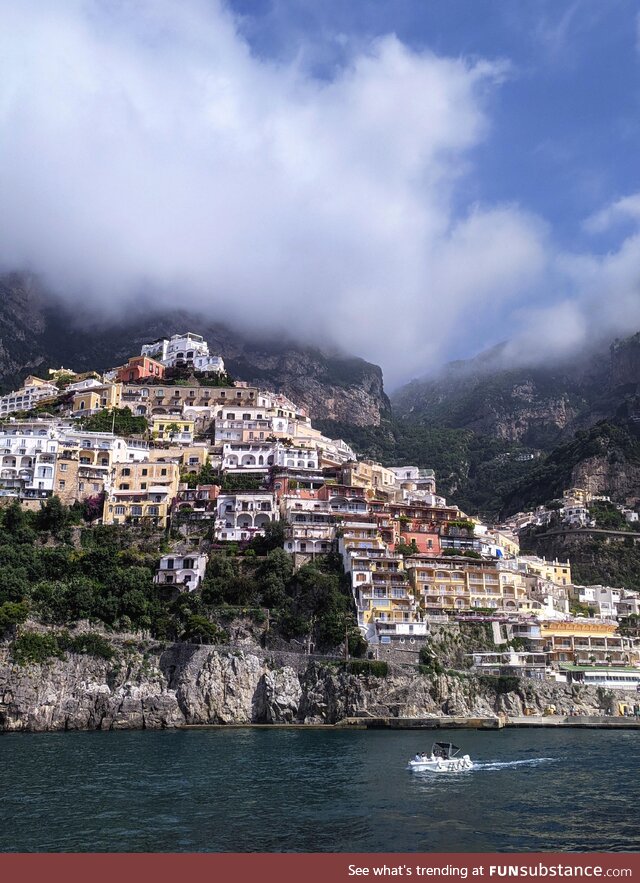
[242,515]
[188,349]
[252,457]
[618,678]
[604,599]
[113,448]
[310,525]
[28,396]
[83,385]
[577,516]
[295,457]
[412,478]
[28,452]
[209,364]
[185,571]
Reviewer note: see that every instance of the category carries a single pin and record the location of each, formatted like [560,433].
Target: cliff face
[613,477]
[37,333]
[625,363]
[185,684]
[534,406]
[21,324]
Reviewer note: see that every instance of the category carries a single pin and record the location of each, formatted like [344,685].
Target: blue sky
[565,123]
[408,180]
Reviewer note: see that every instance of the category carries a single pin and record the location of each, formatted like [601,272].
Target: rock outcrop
[187,684]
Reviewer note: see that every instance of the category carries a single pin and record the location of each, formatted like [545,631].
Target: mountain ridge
[37,332]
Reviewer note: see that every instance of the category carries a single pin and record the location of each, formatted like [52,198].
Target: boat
[443,759]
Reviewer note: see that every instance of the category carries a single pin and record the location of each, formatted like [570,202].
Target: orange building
[140,368]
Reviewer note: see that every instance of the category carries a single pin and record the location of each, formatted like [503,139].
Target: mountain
[501,437]
[38,332]
[534,406]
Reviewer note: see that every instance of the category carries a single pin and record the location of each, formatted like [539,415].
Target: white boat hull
[441,765]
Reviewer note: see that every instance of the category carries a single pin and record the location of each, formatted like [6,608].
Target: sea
[318,790]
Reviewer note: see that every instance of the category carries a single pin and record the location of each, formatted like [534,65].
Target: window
[63,467]
[81,485]
[126,472]
[170,563]
[143,486]
[61,484]
[119,510]
[145,471]
[163,472]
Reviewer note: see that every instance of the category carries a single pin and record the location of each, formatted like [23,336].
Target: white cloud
[625,209]
[145,151]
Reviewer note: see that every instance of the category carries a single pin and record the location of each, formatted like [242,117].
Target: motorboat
[444,758]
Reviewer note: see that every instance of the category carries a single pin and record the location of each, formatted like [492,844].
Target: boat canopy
[445,750]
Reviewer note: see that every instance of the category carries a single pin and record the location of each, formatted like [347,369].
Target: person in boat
[418,757]
[424,756]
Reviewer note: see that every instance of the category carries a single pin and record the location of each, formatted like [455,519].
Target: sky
[411,181]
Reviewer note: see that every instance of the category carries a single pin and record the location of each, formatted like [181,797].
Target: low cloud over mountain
[150,156]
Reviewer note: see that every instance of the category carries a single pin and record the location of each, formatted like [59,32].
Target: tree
[121,420]
[53,516]
[274,536]
[13,518]
[198,629]
[219,574]
[407,548]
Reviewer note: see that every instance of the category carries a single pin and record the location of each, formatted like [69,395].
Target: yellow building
[586,642]
[190,458]
[97,398]
[577,495]
[172,428]
[142,492]
[381,588]
[456,583]
[558,572]
[369,475]
[506,541]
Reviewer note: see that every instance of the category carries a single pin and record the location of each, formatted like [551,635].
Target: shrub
[92,645]
[371,667]
[33,647]
[38,648]
[12,614]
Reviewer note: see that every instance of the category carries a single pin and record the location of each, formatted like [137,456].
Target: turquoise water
[313,790]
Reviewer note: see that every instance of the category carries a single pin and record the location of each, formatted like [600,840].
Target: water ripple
[317,790]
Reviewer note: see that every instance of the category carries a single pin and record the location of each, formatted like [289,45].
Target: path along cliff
[157,687]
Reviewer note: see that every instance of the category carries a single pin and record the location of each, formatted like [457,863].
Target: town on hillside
[170,441]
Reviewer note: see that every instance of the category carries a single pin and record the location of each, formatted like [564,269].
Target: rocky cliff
[187,684]
[37,332]
[535,406]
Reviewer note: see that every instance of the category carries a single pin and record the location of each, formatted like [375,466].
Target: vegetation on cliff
[56,572]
